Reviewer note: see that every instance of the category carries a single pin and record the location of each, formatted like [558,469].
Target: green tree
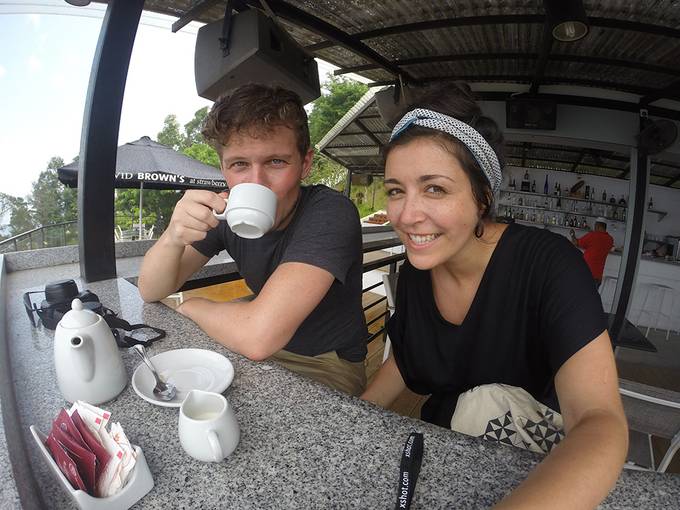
[52,202]
[192,129]
[157,208]
[203,153]
[21,219]
[170,135]
[339,95]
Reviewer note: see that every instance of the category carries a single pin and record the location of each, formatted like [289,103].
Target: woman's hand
[582,469]
[387,384]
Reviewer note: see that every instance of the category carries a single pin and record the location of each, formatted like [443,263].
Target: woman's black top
[535,307]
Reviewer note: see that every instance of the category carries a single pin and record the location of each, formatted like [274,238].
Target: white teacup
[250,211]
[208,430]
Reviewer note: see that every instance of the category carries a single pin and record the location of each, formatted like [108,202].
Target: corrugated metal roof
[631,53]
[631,46]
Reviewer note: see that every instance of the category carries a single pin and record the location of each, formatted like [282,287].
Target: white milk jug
[86,357]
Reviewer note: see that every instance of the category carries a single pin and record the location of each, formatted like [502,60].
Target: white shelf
[661,214]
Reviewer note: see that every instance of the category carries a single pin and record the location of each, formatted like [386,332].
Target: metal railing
[66,233]
[390,261]
[47,236]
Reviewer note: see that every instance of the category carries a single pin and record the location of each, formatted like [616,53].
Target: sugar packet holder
[139,484]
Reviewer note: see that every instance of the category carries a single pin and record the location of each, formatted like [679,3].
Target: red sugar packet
[65,463]
[65,423]
[85,460]
[95,446]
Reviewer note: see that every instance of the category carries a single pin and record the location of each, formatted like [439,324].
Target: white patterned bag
[508,415]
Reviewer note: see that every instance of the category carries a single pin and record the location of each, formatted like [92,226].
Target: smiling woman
[495,322]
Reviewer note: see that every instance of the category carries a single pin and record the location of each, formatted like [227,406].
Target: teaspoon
[162,390]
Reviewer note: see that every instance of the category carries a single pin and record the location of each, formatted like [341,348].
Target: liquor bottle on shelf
[533,186]
[525,185]
[651,203]
[587,193]
[512,185]
[555,189]
[545,186]
[604,195]
[622,201]
[559,202]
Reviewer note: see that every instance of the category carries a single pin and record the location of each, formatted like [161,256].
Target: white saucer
[187,369]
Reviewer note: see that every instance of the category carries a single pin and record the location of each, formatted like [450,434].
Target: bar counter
[302,445]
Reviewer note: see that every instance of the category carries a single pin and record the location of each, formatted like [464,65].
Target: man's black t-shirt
[535,307]
[325,232]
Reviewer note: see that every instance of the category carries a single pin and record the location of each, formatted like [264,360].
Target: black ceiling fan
[657,136]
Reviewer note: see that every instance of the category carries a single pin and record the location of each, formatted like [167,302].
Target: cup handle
[215,445]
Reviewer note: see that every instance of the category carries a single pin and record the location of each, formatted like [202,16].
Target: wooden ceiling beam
[546,48]
[198,8]
[592,102]
[369,133]
[550,80]
[642,66]
[672,91]
[631,26]
[305,20]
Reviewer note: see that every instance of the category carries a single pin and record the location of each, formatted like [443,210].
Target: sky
[46,51]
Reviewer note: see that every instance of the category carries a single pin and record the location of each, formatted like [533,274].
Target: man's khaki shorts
[328,369]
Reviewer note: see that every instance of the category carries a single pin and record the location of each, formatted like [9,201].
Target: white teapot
[86,357]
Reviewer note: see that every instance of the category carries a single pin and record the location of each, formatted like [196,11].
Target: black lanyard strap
[411,458]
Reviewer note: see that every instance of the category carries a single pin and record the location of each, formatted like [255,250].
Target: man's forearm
[236,325]
[580,471]
[160,270]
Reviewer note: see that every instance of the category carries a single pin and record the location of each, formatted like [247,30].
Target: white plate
[187,369]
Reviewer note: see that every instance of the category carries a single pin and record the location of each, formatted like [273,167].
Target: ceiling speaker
[657,136]
[259,52]
[525,113]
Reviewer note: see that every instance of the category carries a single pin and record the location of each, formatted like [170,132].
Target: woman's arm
[582,469]
[387,384]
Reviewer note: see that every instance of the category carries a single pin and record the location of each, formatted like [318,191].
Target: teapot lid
[78,317]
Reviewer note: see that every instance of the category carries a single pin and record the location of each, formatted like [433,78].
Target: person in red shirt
[596,245]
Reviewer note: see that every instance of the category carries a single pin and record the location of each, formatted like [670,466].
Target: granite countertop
[302,445]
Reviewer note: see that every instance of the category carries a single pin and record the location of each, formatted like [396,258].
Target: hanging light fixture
[78,3]
[567,19]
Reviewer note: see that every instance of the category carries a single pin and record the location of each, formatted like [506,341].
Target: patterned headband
[469,136]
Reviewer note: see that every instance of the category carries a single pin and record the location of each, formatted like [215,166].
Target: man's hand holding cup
[193,216]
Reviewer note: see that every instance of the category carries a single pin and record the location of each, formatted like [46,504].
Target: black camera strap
[127,334]
[411,458]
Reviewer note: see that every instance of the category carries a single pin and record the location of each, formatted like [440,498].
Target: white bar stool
[656,297]
[607,290]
